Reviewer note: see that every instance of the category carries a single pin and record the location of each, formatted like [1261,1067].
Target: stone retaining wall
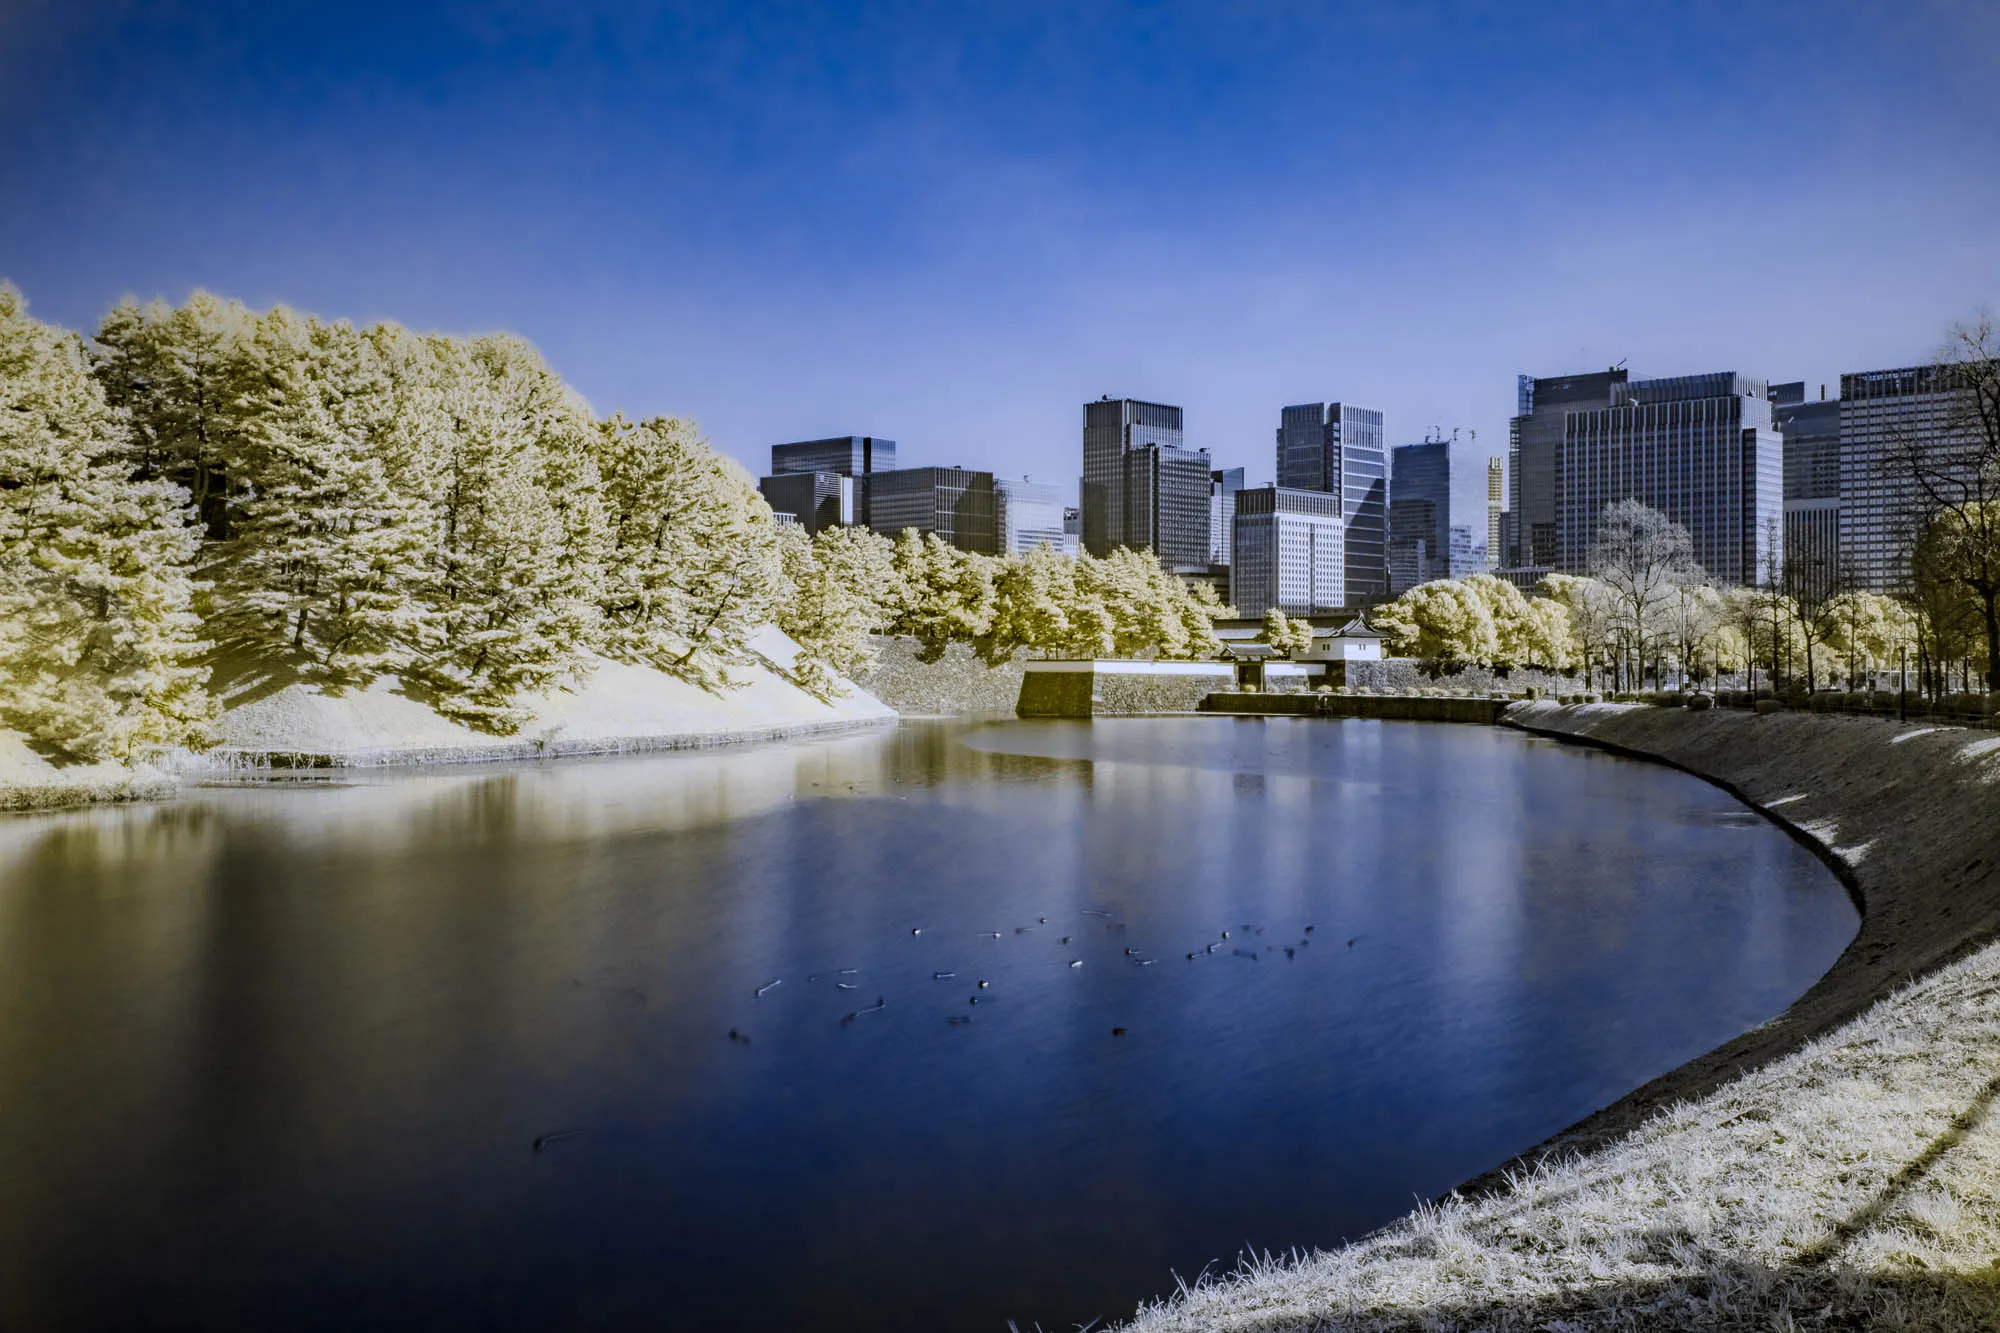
[1399,708]
[1112,689]
[957,683]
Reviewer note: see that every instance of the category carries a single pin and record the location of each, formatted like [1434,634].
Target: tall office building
[1884,414]
[1141,487]
[1496,501]
[1027,514]
[844,455]
[1464,557]
[1073,530]
[1337,448]
[1534,458]
[1289,552]
[1811,435]
[954,502]
[1698,448]
[1166,505]
[1222,488]
[1112,428]
[1419,514]
[855,457]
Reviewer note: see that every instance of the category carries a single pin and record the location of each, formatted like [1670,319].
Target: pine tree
[97,637]
[510,607]
[836,583]
[330,531]
[692,565]
[177,373]
[941,595]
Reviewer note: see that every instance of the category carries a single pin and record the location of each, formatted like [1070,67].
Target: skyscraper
[1112,428]
[1534,457]
[1166,505]
[1337,448]
[956,503]
[1026,514]
[1698,448]
[1883,414]
[1496,500]
[1811,435]
[1141,487]
[826,502]
[1222,488]
[1289,552]
[1419,513]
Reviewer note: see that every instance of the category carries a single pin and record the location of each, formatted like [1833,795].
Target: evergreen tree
[941,595]
[692,563]
[178,375]
[97,636]
[330,530]
[835,585]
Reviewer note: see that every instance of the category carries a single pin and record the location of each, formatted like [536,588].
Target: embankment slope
[1832,1169]
[1905,813]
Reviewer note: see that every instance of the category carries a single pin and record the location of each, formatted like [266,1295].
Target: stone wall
[1400,708]
[1111,689]
[957,683]
[1406,675]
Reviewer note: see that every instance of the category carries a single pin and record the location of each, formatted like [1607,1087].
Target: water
[279,1057]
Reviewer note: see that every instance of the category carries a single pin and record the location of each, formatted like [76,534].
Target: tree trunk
[1991,602]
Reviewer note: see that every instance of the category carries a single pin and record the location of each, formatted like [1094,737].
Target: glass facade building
[956,503]
[1166,505]
[1289,551]
[1701,449]
[1222,487]
[1884,414]
[1811,435]
[1027,514]
[1337,448]
[1419,514]
[856,456]
[813,500]
[1534,459]
[1113,428]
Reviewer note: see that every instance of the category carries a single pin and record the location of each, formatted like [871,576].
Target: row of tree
[203,492]
[1648,611]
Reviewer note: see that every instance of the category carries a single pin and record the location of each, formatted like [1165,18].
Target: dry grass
[1850,1185]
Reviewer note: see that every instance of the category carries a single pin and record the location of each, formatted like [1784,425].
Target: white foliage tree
[327,563]
[511,604]
[836,583]
[97,634]
[692,565]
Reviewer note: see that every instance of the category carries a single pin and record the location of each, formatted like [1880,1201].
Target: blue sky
[953,224]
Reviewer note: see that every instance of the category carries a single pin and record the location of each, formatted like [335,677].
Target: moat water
[485,1048]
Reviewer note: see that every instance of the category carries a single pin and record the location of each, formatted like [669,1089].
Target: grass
[1849,1185]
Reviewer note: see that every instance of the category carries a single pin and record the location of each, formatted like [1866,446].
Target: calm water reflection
[278,1058]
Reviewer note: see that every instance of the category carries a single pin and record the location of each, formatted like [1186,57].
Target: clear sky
[951,224]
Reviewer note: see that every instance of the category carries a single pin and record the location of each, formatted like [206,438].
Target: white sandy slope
[618,707]
[30,782]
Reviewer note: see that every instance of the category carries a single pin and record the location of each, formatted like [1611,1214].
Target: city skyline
[939,225]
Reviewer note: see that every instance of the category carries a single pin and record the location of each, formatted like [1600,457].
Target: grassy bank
[1835,1168]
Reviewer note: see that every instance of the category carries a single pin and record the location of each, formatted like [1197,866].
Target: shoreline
[1912,923]
[1833,1167]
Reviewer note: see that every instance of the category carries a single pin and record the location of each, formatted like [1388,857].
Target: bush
[1700,702]
[1770,706]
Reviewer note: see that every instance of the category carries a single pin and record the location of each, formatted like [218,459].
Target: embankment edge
[1899,812]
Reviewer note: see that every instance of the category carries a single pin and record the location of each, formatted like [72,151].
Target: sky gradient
[952,225]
